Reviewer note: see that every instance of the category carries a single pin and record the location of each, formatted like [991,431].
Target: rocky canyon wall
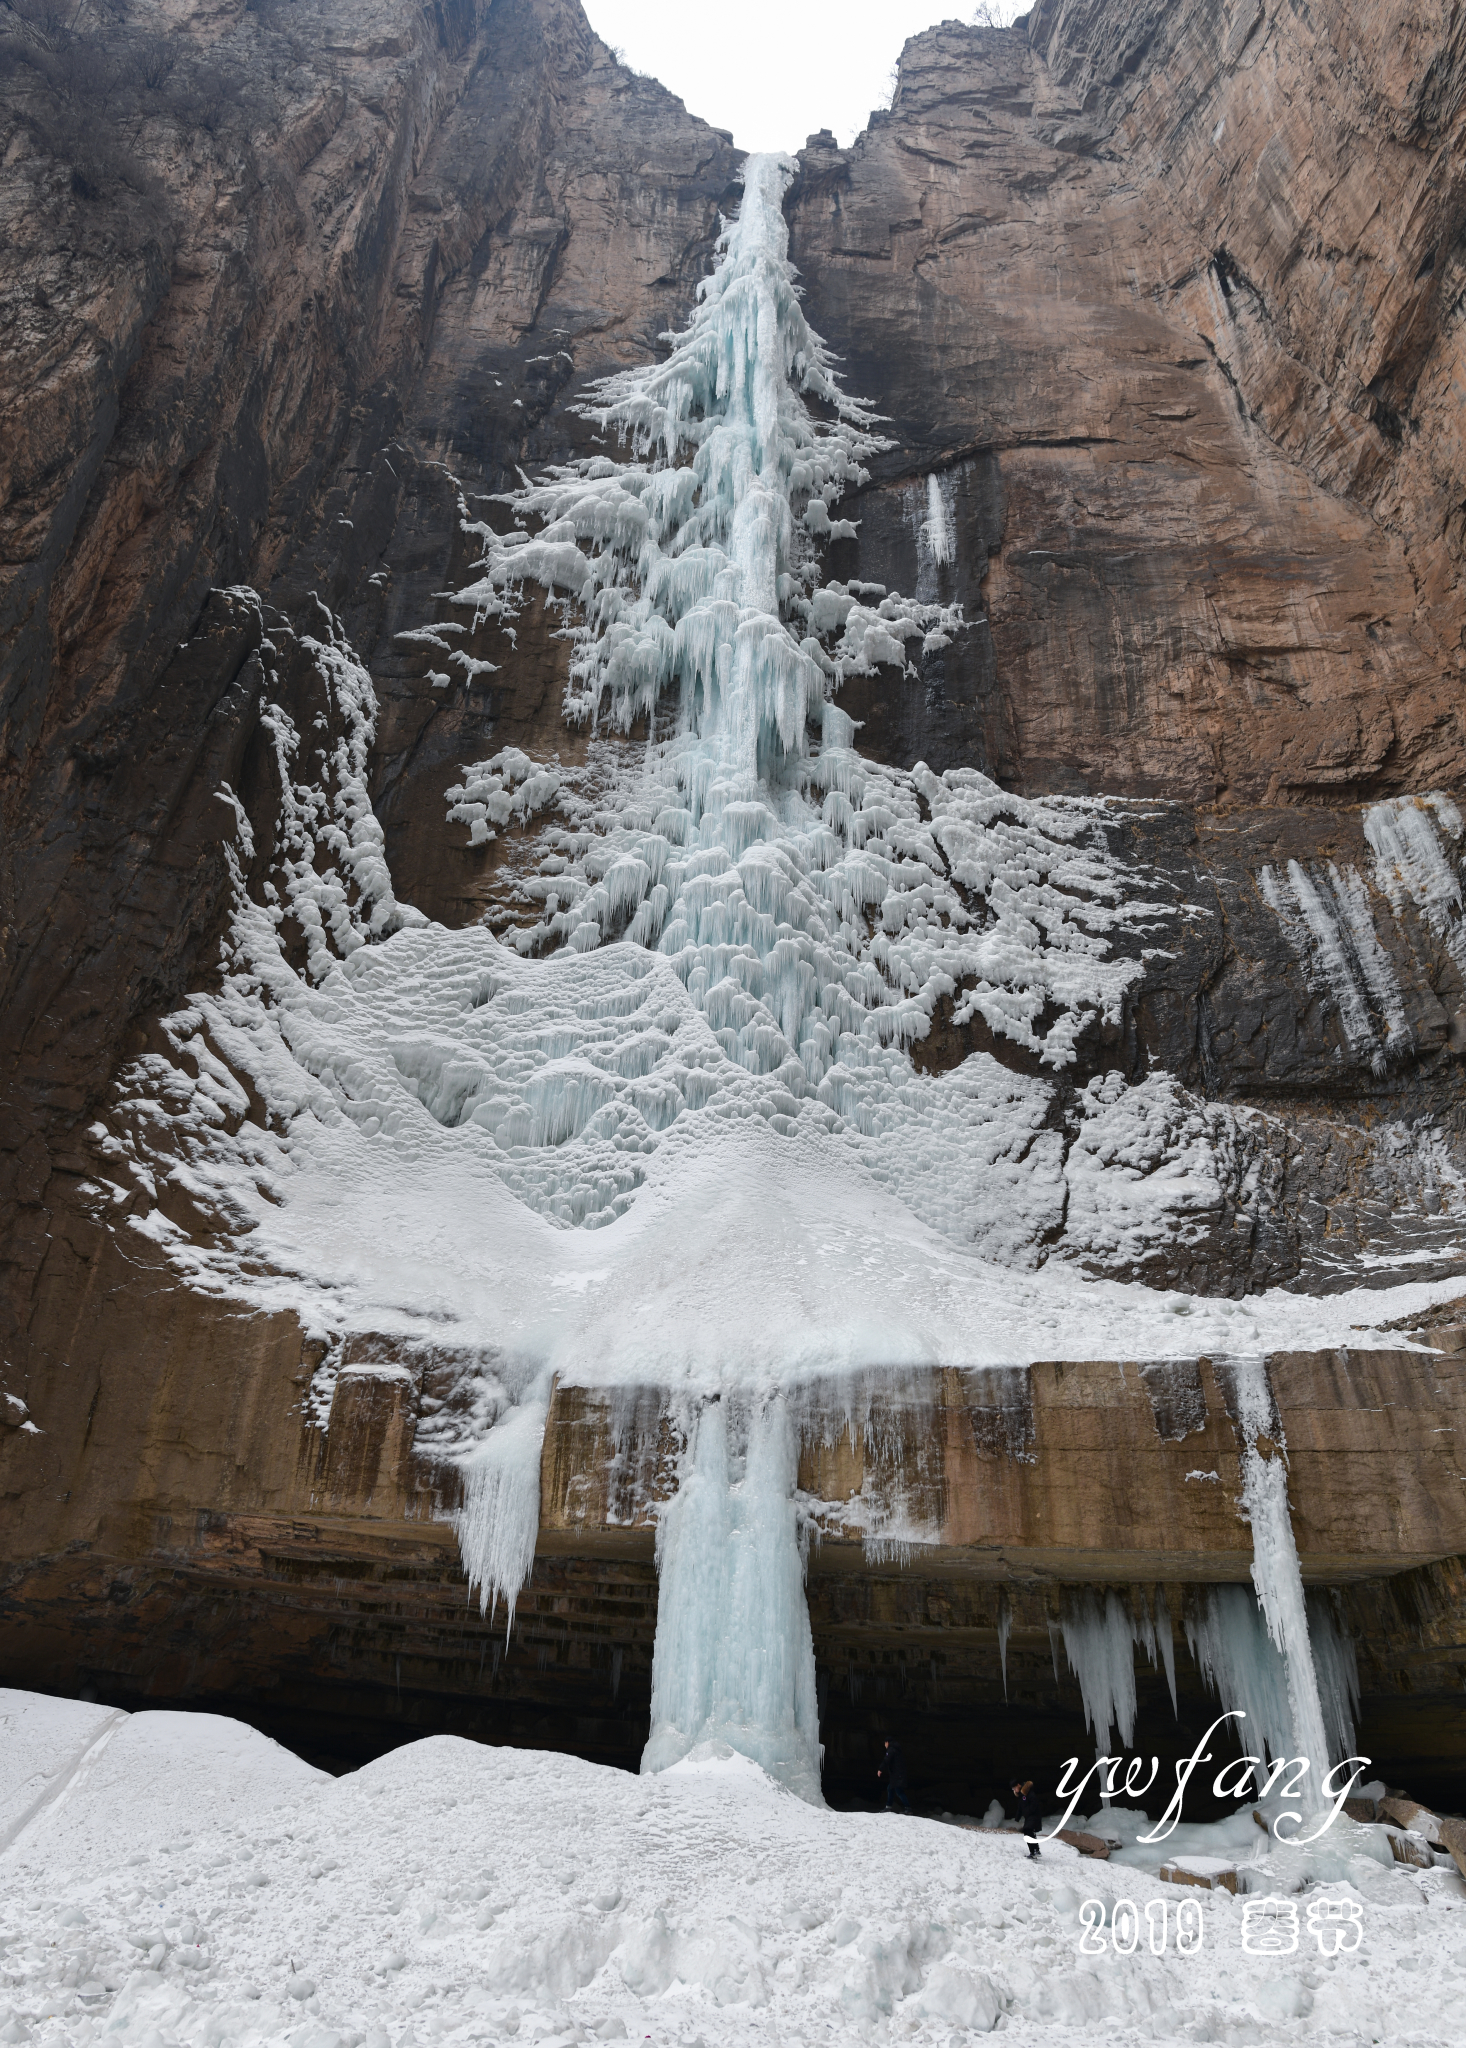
[1167,299]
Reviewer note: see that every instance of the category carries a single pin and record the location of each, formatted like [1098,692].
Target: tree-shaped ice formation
[816,906]
[445,1116]
[695,561]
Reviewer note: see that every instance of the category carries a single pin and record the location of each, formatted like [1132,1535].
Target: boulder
[1453,1837]
[1408,1813]
[1087,1845]
[1411,1849]
[1210,1873]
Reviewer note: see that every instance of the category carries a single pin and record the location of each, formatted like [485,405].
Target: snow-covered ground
[178,1879]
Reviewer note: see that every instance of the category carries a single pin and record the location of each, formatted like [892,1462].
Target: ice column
[1097,1643]
[733,1665]
[1275,1570]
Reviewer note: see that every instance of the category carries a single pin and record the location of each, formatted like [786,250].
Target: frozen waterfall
[668,1130]
[1275,1570]
[815,905]
[733,1664]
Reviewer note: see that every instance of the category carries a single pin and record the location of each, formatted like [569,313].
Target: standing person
[1030,1813]
[893,1770]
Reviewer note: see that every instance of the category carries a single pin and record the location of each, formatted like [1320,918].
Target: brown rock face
[237,349]
[1070,1473]
[1166,295]
[1135,278]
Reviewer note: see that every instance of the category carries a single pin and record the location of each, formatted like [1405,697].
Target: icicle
[499,1522]
[939,535]
[1275,1568]
[1239,1660]
[1097,1643]
[1337,1666]
[1167,1644]
[733,1662]
[1005,1623]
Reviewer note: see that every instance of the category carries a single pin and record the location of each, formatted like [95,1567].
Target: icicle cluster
[1099,1633]
[695,562]
[1239,1659]
[1411,863]
[330,869]
[1326,913]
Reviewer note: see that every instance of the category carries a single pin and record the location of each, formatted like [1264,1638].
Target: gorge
[732,890]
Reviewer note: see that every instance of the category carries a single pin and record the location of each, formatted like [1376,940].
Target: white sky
[774,71]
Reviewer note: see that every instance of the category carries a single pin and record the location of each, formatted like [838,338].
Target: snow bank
[106,1785]
[458,1893]
[43,1743]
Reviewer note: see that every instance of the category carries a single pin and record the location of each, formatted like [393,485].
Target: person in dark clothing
[893,1771]
[1030,1813]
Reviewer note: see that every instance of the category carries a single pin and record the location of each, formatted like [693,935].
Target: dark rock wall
[1170,294]
[241,333]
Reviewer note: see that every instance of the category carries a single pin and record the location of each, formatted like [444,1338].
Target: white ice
[733,1669]
[1328,921]
[1413,840]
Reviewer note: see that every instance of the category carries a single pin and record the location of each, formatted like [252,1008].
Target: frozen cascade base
[308,1579]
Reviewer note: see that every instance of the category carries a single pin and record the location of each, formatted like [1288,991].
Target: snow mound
[454,1892]
[117,1785]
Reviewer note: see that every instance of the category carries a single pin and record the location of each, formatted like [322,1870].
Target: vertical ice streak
[1276,1574]
[1410,862]
[1337,1666]
[939,535]
[1329,924]
[733,1664]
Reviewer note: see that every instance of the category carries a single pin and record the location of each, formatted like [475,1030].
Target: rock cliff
[1167,298]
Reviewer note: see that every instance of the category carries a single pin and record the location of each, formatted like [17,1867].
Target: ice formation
[671,1132]
[499,1522]
[1411,863]
[1260,1655]
[1278,1655]
[1239,1659]
[1330,925]
[1100,1632]
[733,1663]
[816,906]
